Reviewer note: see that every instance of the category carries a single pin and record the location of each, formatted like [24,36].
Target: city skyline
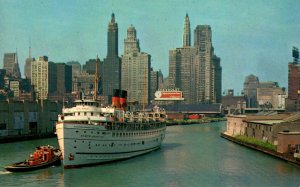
[250,38]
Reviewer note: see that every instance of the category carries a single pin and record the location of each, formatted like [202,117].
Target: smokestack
[123,99]
[116,98]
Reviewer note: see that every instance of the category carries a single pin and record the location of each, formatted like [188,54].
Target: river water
[191,155]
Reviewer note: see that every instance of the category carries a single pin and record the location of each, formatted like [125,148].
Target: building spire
[29,52]
[112,18]
[187,32]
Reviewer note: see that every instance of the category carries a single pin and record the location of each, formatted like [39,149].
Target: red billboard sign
[168,95]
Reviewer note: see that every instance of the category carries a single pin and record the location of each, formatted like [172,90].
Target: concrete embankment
[189,122]
[276,154]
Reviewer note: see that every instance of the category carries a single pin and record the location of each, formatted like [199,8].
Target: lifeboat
[43,157]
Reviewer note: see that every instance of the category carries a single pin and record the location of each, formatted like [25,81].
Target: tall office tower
[204,73]
[153,83]
[187,32]
[135,70]
[76,67]
[196,71]
[112,63]
[27,68]
[293,80]
[160,80]
[250,90]
[182,72]
[43,77]
[217,77]
[294,76]
[64,78]
[11,65]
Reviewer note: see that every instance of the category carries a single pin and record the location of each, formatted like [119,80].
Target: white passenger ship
[90,134]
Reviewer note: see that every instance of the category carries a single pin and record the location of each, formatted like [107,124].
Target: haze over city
[250,37]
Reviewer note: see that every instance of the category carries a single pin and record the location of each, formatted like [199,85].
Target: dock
[273,153]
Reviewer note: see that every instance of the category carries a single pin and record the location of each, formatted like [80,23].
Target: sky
[251,37]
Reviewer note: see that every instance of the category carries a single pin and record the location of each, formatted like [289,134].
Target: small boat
[43,157]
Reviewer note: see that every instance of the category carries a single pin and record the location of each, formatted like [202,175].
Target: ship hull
[84,145]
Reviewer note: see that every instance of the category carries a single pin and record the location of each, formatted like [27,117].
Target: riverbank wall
[273,153]
[193,121]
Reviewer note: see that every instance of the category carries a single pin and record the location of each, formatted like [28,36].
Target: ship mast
[96,80]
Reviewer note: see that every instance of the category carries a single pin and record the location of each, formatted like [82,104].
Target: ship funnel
[116,98]
[123,99]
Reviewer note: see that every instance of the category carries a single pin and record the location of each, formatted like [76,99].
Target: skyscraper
[76,68]
[203,43]
[27,68]
[187,32]
[294,76]
[182,72]
[112,64]
[64,78]
[153,83]
[196,71]
[160,80]
[43,77]
[217,77]
[11,65]
[250,90]
[135,70]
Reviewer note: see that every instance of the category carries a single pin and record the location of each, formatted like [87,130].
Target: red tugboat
[43,157]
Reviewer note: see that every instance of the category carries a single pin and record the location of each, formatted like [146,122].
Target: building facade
[28,118]
[64,78]
[14,86]
[11,65]
[112,63]
[27,67]
[251,84]
[270,97]
[83,84]
[153,83]
[293,80]
[135,70]
[2,75]
[76,67]
[43,77]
